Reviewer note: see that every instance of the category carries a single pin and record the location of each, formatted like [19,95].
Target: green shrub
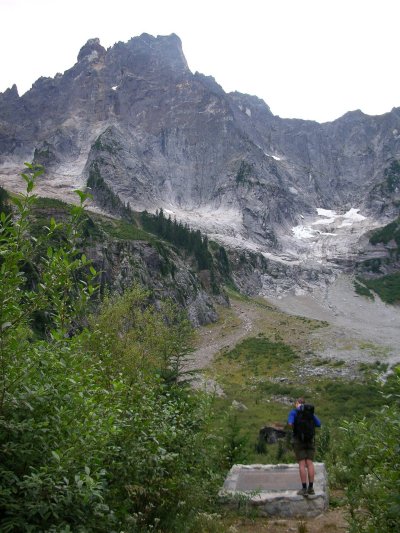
[96,433]
[365,459]
[387,287]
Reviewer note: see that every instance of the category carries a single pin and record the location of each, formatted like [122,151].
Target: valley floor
[335,335]
[358,330]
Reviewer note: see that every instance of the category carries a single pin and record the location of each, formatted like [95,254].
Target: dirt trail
[237,323]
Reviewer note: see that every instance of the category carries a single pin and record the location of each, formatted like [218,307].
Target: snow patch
[248,112]
[354,215]
[326,212]
[293,190]
[324,221]
[273,156]
[303,232]
[328,217]
[115,87]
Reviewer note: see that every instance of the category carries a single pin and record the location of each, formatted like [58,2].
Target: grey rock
[239,406]
[124,263]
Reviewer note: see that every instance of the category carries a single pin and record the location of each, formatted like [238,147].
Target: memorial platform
[272,490]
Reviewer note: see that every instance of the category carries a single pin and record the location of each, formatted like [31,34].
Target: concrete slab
[272,490]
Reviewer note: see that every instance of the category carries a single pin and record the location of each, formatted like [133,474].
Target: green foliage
[122,229]
[4,202]
[362,290]
[387,287]
[108,145]
[387,233]
[391,182]
[260,354]
[234,441]
[95,432]
[245,170]
[180,235]
[366,460]
[392,175]
[103,193]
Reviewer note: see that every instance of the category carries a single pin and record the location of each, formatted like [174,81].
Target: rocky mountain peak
[146,52]
[11,93]
[92,51]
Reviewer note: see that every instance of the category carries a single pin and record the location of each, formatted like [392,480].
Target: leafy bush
[387,287]
[96,434]
[366,460]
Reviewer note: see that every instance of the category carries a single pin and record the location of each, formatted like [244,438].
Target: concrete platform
[272,489]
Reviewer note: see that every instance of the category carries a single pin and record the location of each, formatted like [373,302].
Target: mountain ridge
[136,119]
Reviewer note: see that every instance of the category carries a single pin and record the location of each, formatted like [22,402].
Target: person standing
[303,421]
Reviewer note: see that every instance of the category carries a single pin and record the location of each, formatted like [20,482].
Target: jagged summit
[91,51]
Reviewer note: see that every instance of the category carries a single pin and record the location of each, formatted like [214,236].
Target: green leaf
[55,455]
[16,201]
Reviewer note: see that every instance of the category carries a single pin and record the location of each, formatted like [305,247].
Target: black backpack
[304,425]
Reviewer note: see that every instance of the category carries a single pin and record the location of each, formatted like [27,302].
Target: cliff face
[124,263]
[133,119]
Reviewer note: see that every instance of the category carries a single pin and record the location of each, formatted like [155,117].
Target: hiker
[303,421]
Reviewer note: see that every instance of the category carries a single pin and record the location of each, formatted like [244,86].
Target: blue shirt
[292,416]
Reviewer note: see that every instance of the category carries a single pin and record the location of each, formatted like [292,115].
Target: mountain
[134,123]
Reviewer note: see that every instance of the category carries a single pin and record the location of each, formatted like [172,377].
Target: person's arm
[291,417]
[317,421]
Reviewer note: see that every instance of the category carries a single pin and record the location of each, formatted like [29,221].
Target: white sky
[311,59]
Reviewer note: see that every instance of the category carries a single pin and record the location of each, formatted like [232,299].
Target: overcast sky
[311,59]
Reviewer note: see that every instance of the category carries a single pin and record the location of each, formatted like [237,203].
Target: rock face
[123,263]
[134,120]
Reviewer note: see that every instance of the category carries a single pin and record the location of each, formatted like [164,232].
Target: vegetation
[245,170]
[365,460]
[388,287]
[387,233]
[362,289]
[180,235]
[98,430]
[103,193]
[391,182]
[392,175]
[264,375]
[95,432]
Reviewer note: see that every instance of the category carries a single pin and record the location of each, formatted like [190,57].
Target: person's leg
[310,470]
[302,471]
[311,473]
[301,459]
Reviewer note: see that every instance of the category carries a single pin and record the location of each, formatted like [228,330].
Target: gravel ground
[360,329]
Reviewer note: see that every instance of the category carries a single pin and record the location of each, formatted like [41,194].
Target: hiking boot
[310,491]
[302,492]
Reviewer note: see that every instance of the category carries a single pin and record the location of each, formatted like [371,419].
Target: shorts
[303,450]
